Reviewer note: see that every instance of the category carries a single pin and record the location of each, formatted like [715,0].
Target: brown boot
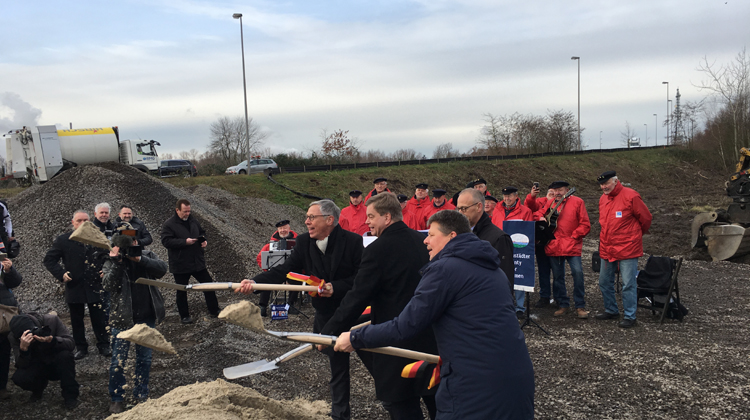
[582,314]
[560,312]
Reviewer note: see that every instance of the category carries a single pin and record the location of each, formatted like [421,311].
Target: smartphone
[536,185]
[201,239]
[3,256]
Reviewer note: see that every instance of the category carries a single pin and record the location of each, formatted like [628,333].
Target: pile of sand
[244,314]
[89,234]
[147,337]
[221,400]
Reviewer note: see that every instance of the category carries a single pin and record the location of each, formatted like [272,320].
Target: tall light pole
[646,134]
[667,83]
[600,140]
[656,124]
[244,88]
[578,59]
[669,120]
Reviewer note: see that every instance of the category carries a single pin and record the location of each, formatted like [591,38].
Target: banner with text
[522,234]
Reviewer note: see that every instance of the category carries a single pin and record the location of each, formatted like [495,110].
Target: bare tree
[407,154]
[228,140]
[627,135]
[165,156]
[562,131]
[445,150]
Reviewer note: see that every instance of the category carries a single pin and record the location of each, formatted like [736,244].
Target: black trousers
[35,378]
[411,409]
[182,303]
[98,316]
[4,360]
[265,297]
[340,379]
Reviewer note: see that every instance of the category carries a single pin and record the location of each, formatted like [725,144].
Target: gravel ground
[584,369]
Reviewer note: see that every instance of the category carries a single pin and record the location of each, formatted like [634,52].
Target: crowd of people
[422,288]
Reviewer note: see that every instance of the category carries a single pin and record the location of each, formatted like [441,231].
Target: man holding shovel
[332,254]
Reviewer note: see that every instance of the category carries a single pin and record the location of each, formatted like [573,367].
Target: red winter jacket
[267,247]
[535,204]
[429,209]
[519,212]
[409,218]
[572,226]
[624,219]
[371,193]
[353,219]
[415,207]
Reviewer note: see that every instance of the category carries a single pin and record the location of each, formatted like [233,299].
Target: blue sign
[522,234]
[279,312]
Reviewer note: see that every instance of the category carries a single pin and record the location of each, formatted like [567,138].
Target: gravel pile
[236,228]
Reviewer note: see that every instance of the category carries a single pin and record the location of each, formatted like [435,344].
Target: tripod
[528,320]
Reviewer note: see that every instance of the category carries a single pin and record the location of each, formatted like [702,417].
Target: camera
[43,331]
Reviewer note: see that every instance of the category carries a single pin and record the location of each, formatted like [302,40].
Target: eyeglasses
[311,217]
[464,208]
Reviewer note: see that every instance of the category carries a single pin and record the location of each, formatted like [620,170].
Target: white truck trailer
[39,154]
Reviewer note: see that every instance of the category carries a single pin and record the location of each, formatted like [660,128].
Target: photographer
[43,349]
[126,214]
[9,279]
[132,304]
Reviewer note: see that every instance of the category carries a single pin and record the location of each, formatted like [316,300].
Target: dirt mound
[220,400]
[235,228]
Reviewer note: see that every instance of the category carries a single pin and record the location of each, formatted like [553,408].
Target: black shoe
[542,303]
[293,311]
[520,315]
[80,354]
[116,407]
[71,404]
[606,315]
[264,311]
[36,397]
[4,394]
[626,323]
[106,352]
[213,315]
[187,320]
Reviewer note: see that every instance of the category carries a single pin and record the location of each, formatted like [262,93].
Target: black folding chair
[658,280]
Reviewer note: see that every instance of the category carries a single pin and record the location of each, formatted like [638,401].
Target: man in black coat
[388,288]
[102,220]
[9,279]
[83,286]
[471,205]
[332,254]
[184,239]
[143,236]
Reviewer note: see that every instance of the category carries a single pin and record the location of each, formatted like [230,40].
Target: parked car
[177,167]
[256,166]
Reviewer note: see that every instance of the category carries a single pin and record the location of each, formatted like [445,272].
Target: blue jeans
[558,286]
[520,299]
[543,268]
[120,350]
[628,269]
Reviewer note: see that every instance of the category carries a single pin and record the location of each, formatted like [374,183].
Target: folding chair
[659,279]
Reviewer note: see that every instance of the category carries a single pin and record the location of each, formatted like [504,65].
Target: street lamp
[669,121]
[578,59]
[656,124]
[646,134]
[667,83]
[600,140]
[244,88]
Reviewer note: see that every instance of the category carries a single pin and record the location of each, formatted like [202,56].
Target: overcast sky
[396,74]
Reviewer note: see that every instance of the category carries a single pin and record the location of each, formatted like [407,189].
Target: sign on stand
[522,234]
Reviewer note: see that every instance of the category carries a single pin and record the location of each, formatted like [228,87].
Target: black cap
[605,176]
[558,184]
[381,179]
[470,184]
[355,193]
[508,190]
[479,181]
[19,324]
[438,192]
[402,198]
[422,186]
[282,223]
[491,198]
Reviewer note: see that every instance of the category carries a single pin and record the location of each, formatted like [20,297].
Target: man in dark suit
[471,205]
[388,289]
[332,254]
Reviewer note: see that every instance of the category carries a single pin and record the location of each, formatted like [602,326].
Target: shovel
[207,287]
[264,365]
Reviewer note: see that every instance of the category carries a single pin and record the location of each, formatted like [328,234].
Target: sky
[396,74]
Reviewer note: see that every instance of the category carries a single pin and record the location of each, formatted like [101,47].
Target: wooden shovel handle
[391,351]
[257,286]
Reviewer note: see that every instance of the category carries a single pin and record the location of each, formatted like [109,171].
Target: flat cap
[355,193]
[508,190]
[558,184]
[438,192]
[381,179]
[479,181]
[422,186]
[606,176]
[282,223]
[490,198]
[402,198]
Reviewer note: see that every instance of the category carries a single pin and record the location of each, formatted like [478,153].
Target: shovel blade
[240,371]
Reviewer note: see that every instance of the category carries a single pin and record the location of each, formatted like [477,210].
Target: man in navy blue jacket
[486,369]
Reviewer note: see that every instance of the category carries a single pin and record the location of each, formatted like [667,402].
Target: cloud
[18,113]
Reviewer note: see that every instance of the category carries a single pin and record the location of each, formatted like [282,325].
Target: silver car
[256,166]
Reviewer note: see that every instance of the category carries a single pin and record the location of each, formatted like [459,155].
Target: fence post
[304,168]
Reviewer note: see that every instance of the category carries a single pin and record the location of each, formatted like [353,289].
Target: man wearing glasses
[332,254]
[471,204]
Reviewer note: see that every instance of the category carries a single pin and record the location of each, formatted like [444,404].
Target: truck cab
[140,154]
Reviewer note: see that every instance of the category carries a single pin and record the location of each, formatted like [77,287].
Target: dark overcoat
[486,369]
[183,258]
[80,260]
[501,241]
[387,278]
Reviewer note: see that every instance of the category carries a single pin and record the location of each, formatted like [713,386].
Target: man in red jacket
[283,231]
[439,202]
[490,203]
[572,226]
[624,219]
[379,185]
[417,203]
[511,208]
[354,217]
[544,269]
[408,218]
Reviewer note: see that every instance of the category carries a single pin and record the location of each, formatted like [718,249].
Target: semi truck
[38,154]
